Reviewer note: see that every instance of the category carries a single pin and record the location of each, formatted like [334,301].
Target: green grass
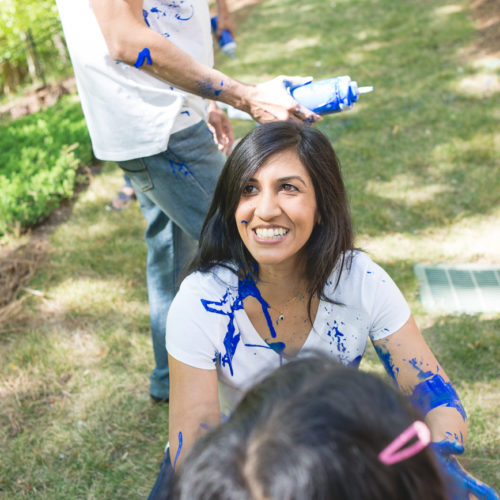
[421,160]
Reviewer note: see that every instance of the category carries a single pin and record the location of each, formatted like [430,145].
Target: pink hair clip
[395,452]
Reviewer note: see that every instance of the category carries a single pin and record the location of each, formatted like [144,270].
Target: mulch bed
[17,267]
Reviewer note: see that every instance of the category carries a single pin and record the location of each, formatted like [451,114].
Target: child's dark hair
[311,430]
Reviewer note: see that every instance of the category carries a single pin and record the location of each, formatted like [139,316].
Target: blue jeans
[174,190]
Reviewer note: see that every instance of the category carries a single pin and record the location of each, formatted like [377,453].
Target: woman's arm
[194,406]
[416,372]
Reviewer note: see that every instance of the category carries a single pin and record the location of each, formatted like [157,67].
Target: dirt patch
[17,267]
[36,99]
[487,20]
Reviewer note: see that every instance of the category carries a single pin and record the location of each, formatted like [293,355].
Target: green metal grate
[469,288]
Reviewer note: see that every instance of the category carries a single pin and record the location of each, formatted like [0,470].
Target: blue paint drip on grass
[436,392]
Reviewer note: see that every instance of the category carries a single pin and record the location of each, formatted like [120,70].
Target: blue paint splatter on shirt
[145,16]
[231,339]
[143,55]
[337,335]
[186,112]
[436,392]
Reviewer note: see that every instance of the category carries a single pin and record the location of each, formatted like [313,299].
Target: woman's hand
[460,484]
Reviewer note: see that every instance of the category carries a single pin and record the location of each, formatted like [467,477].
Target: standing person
[276,276]
[143,70]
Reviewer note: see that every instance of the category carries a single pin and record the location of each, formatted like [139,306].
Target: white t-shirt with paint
[208,328]
[129,112]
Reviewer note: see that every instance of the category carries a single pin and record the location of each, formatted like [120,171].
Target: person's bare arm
[417,373]
[126,35]
[194,406]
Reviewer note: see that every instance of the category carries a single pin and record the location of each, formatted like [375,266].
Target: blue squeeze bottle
[226,40]
[329,96]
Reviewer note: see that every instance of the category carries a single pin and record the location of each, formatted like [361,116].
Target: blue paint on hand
[436,392]
[143,55]
[459,483]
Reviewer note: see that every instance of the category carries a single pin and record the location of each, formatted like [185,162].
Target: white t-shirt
[129,112]
[208,328]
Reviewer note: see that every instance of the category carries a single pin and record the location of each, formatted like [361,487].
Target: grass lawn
[420,157]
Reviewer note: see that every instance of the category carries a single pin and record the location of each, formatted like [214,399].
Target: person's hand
[271,101]
[220,126]
[225,22]
[460,485]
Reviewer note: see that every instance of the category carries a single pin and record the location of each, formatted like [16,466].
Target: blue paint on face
[436,392]
[459,484]
[145,16]
[421,374]
[143,55]
[244,222]
[386,359]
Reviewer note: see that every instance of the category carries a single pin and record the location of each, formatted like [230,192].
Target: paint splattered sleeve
[387,307]
[191,334]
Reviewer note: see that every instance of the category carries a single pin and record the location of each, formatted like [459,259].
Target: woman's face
[277,210]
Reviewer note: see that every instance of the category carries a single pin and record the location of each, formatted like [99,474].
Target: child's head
[311,430]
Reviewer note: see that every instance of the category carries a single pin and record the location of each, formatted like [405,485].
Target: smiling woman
[277,277]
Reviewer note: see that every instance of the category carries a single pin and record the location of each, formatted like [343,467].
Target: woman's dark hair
[317,436]
[331,239]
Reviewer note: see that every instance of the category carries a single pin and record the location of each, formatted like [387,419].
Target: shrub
[39,158]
